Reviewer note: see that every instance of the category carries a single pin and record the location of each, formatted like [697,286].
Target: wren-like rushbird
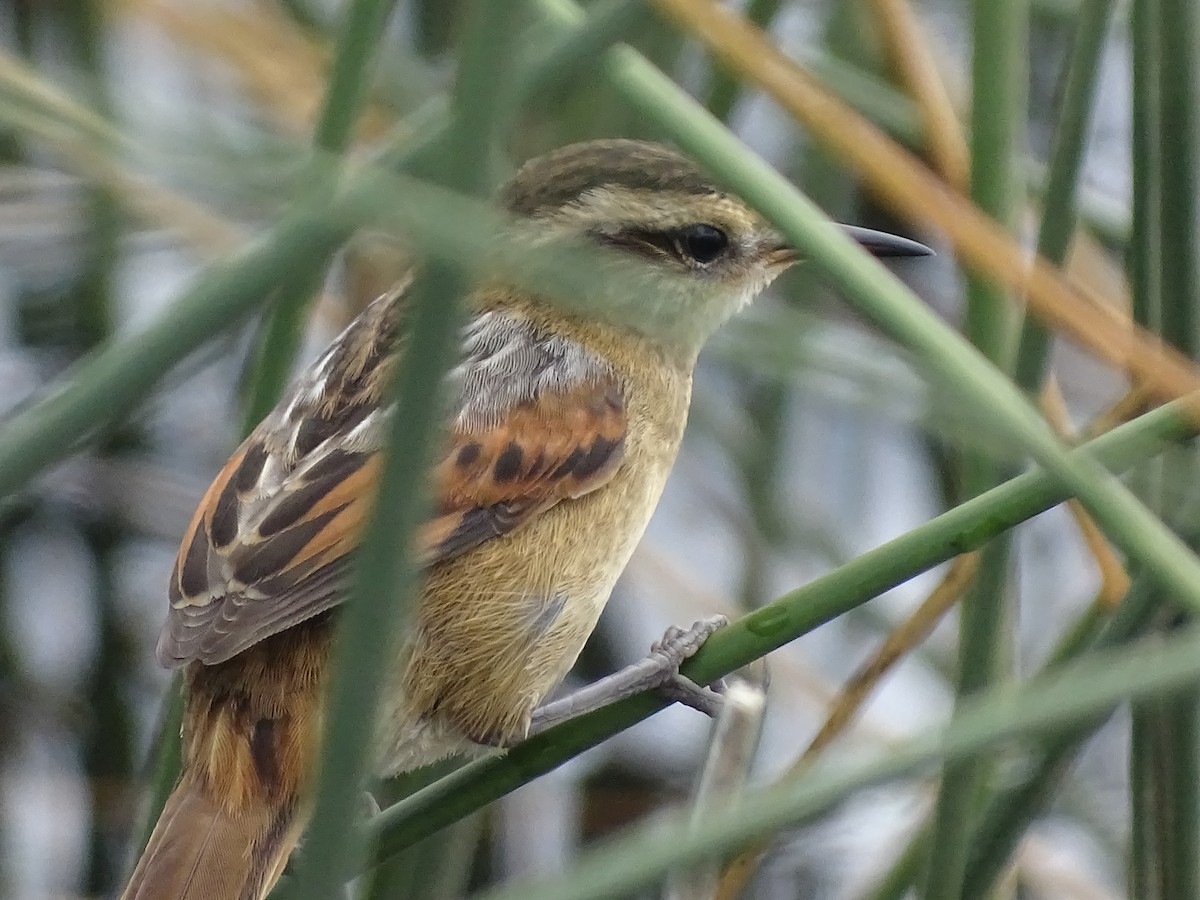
[561,433]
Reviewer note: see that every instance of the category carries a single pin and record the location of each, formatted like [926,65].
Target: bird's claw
[678,645]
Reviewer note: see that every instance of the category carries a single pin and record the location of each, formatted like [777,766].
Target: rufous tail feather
[204,849]
[250,731]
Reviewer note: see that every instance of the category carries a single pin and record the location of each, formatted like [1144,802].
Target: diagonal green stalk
[384,573]
[965,527]
[999,77]
[977,390]
[1047,705]
[633,82]
[879,295]
[283,328]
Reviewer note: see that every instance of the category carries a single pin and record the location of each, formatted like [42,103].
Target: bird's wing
[535,419]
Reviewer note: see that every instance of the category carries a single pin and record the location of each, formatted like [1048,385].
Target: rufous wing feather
[556,448]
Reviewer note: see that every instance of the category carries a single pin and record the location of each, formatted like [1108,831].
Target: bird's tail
[232,821]
[204,848]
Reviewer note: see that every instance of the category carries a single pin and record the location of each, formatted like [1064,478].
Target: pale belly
[500,627]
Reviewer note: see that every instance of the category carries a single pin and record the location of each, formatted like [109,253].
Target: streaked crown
[563,176]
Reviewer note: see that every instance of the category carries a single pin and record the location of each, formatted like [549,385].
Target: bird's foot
[658,671]
[677,646]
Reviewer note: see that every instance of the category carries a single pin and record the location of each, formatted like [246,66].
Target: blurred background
[812,439]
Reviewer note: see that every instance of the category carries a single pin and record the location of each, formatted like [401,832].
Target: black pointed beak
[877,243]
[880,243]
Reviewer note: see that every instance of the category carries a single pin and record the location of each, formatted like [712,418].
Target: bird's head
[708,253]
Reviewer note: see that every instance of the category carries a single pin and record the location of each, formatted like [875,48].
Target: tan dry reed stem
[913,61]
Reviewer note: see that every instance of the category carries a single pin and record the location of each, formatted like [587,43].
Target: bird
[561,429]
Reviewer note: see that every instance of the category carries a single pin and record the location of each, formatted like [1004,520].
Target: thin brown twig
[911,632]
[915,67]
[854,693]
[912,190]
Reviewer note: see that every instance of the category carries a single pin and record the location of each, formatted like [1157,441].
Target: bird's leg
[658,671]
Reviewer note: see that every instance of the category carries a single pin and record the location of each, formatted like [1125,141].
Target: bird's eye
[703,243]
